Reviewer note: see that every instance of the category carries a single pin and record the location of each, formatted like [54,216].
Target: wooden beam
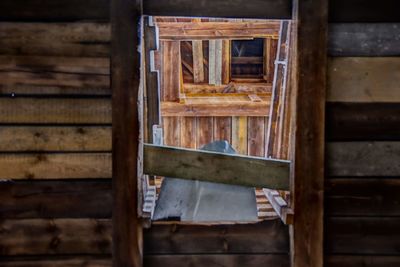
[198,66]
[232,88]
[125,71]
[216,167]
[171,70]
[220,108]
[217,30]
[280,205]
[215,62]
[263,9]
[309,74]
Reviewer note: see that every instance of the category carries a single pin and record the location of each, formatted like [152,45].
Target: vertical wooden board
[272,58]
[226,61]
[198,66]
[171,70]
[256,134]
[204,131]
[222,128]
[268,66]
[188,132]
[171,131]
[215,62]
[239,134]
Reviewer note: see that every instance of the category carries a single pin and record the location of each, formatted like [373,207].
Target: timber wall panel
[362,153]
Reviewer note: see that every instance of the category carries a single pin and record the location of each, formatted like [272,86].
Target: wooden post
[309,74]
[125,75]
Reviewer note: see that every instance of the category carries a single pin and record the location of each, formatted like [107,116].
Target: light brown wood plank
[223,109]
[223,129]
[55,39]
[198,66]
[171,131]
[363,79]
[55,110]
[55,166]
[256,135]
[226,61]
[239,134]
[188,132]
[215,167]
[171,70]
[205,130]
[39,138]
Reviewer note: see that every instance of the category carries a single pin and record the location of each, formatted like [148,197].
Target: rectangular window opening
[216,86]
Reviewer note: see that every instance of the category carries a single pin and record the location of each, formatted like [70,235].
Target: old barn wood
[55,103]
[215,167]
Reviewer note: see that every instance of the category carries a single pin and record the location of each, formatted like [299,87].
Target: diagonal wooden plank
[216,167]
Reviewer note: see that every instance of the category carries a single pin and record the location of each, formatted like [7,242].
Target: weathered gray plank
[267,9]
[216,167]
[364,39]
[358,79]
[346,159]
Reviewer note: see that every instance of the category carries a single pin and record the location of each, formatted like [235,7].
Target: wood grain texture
[363,121]
[364,39]
[362,235]
[255,135]
[172,131]
[198,59]
[204,130]
[171,70]
[362,261]
[216,239]
[58,261]
[231,260]
[188,132]
[56,199]
[358,159]
[55,166]
[215,167]
[309,81]
[239,134]
[80,39]
[358,79]
[223,128]
[218,8]
[362,197]
[126,21]
[48,10]
[55,236]
[52,138]
[363,11]
[55,110]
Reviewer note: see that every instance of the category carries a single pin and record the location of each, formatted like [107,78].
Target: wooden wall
[362,200]
[55,144]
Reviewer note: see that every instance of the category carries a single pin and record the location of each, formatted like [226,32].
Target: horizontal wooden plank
[56,199]
[361,261]
[49,10]
[79,39]
[362,235]
[362,197]
[217,30]
[34,75]
[269,236]
[227,89]
[221,108]
[265,9]
[360,79]
[57,261]
[55,236]
[362,121]
[93,236]
[55,110]
[50,138]
[364,39]
[346,159]
[55,166]
[236,260]
[363,11]
[215,167]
